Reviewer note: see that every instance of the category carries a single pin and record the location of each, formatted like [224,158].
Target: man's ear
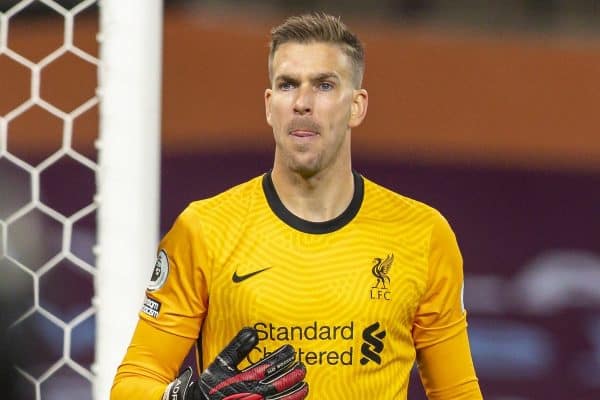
[358,111]
[268,93]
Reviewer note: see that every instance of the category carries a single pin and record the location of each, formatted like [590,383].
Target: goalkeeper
[311,256]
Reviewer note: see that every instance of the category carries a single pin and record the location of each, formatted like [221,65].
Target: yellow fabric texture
[152,361]
[359,303]
[447,370]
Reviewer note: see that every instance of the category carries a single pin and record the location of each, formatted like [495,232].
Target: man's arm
[175,305]
[142,376]
[447,371]
[152,361]
[440,325]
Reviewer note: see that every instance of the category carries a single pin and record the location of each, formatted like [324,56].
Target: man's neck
[318,198]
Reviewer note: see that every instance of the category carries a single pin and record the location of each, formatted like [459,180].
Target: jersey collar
[308,226]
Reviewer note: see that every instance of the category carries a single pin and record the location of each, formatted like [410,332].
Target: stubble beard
[306,161]
[306,168]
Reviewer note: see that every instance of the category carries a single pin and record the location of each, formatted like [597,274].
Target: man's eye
[325,86]
[286,86]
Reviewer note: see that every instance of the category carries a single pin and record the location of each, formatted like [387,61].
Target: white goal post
[128,173]
[47,201]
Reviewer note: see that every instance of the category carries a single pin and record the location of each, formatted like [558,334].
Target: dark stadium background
[488,111]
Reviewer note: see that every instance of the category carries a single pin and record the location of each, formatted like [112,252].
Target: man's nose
[304,101]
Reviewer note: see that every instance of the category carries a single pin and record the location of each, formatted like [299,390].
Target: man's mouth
[303,128]
[303,133]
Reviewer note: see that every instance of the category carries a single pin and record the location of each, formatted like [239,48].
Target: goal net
[79,162]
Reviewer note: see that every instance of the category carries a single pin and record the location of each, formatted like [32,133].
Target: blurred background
[486,110]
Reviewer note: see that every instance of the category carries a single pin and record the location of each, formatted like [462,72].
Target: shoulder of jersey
[237,199]
[390,202]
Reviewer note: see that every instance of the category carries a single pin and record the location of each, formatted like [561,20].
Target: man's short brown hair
[320,27]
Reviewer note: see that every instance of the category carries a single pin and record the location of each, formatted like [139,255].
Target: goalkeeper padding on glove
[276,377]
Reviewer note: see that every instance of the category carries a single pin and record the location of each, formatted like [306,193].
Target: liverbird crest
[380,270]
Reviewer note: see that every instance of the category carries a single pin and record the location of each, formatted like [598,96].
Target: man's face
[312,105]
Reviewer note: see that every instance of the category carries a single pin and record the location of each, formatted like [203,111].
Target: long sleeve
[152,361]
[440,325]
[171,316]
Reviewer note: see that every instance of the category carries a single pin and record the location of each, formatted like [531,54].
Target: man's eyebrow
[315,78]
[326,75]
[285,78]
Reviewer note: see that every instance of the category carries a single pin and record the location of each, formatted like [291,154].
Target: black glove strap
[178,389]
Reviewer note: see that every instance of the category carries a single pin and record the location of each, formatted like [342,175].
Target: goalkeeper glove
[276,377]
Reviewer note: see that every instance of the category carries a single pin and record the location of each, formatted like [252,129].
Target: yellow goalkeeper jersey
[360,297]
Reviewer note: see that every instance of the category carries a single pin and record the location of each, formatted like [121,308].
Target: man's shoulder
[396,205]
[230,201]
[382,193]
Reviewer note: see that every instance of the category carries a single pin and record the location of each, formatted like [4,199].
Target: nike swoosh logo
[239,278]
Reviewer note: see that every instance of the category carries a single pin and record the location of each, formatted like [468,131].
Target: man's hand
[276,377]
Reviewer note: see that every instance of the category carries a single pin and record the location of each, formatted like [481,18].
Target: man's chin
[306,169]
